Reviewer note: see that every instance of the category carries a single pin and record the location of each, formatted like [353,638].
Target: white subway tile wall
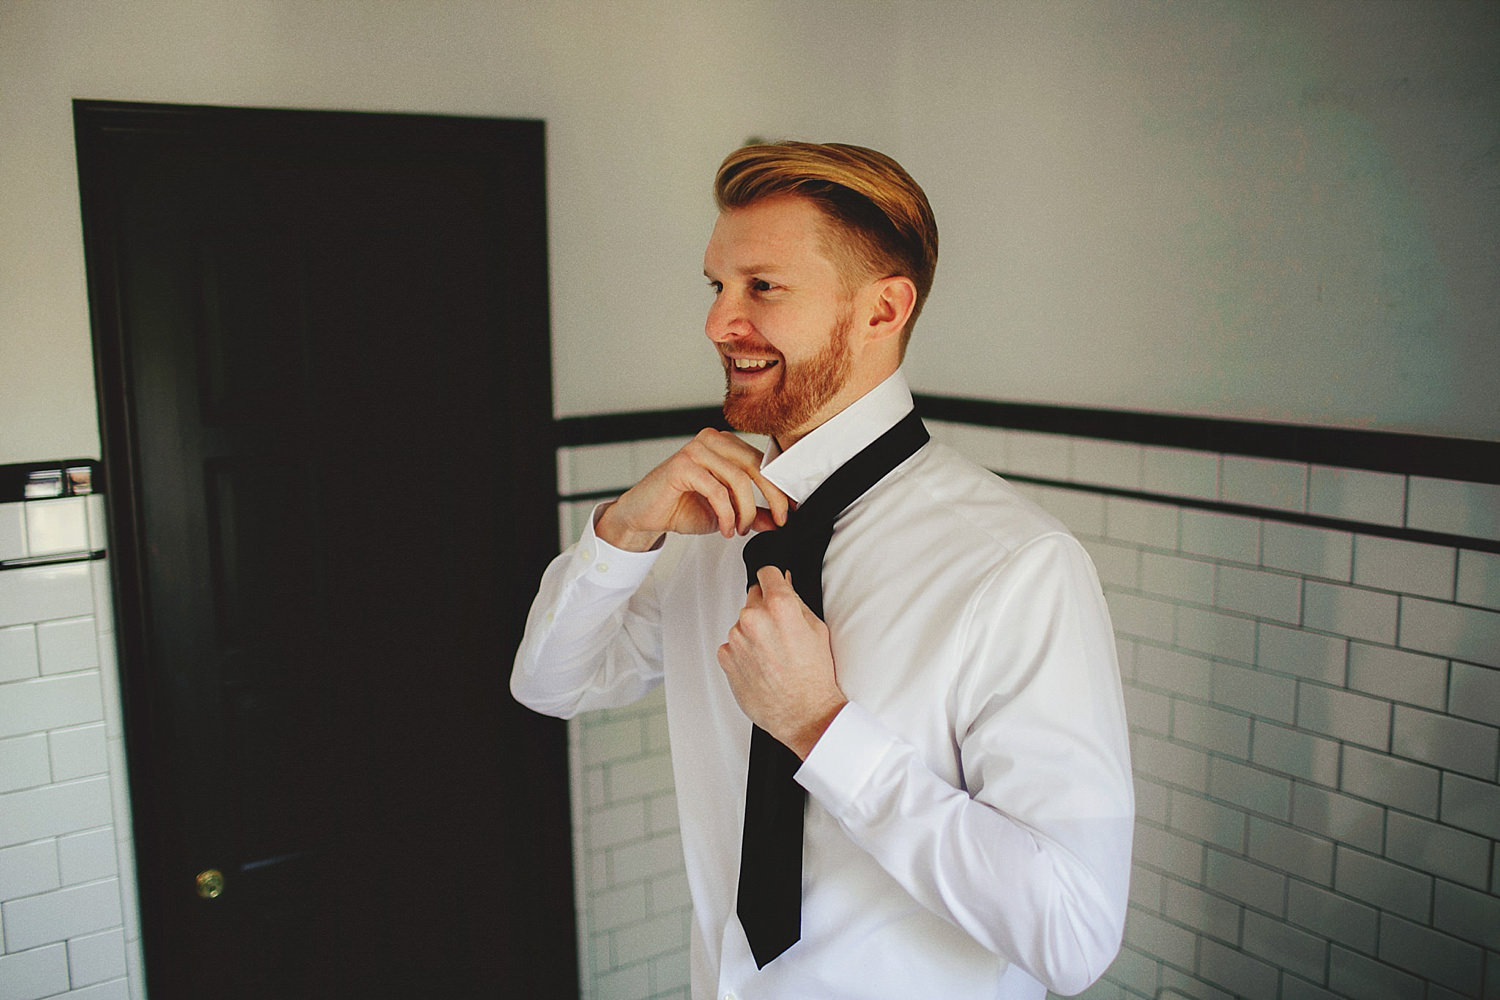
[631,890]
[1261,482]
[1177,472]
[69,923]
[1357,495]
[1315,719]
[1457,508]
[13,531]
[634,909]
[56,526]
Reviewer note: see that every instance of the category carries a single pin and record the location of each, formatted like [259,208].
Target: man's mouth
[751,364]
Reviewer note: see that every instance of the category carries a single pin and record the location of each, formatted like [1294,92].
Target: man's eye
[716,286]
[761,286]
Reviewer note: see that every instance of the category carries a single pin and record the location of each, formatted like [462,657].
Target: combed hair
[881,223]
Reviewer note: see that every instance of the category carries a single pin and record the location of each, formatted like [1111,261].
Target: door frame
[96,123]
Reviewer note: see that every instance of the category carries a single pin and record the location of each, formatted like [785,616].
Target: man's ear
[891,303]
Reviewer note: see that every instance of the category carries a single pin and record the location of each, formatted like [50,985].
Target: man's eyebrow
[749,269]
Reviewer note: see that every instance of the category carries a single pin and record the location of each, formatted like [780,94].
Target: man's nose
[726,319]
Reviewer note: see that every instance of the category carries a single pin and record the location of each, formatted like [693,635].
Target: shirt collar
[802,468]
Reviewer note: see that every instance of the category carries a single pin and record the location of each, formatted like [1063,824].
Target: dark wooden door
[324,375]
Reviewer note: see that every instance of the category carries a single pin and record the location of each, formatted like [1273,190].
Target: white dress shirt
[970,811]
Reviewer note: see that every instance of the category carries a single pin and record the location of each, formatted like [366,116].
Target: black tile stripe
[1463,459]
[13,478]
[1271,514]
[1458,459]
[53,560]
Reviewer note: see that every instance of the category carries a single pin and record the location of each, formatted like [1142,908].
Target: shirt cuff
[845,757]
[607,566]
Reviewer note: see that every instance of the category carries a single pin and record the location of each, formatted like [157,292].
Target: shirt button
[602,567]
[730,996]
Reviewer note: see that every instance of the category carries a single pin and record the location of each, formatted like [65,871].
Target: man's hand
[780,665]
[707,485]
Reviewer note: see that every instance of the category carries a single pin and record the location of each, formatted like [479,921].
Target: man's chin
[752,413]
[742,415]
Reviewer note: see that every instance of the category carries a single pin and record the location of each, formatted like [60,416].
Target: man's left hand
[780,666]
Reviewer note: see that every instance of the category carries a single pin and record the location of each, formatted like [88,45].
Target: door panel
[325,391]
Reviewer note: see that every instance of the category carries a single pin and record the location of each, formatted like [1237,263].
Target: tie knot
[761,550]
[797,548]
[799,545]
[784,546]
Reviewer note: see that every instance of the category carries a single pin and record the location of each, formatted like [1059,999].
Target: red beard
[804,389]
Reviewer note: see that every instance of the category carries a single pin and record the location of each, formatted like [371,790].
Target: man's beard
[805,388]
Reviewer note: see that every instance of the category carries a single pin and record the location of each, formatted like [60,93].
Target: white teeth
[751,364]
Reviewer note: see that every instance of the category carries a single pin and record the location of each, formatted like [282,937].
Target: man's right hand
[707,485]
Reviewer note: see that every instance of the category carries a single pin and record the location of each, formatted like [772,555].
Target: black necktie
[770,890]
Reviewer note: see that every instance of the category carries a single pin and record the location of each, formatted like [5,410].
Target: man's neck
[853,391]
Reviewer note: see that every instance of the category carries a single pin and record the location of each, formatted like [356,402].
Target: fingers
[774,580]
[725,471]
[743,461]
[764,520]
[717,486]
[708,485]
[779,503]
[773,591]
[728,460]
[779,663]
[775,586]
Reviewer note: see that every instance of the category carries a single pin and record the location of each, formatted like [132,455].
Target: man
[955,713]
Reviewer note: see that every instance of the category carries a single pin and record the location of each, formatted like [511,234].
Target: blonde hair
[880,222]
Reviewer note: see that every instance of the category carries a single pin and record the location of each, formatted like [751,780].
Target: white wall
[641,100]
[1283,212]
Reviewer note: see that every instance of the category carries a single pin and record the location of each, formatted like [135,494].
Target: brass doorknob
[210,883]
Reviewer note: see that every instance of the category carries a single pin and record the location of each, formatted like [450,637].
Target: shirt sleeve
[1031,857]
[593,635]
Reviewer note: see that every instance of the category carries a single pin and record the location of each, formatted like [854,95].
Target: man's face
[781,319]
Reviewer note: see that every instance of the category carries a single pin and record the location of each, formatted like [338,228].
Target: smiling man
[783,329]
[900,758]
